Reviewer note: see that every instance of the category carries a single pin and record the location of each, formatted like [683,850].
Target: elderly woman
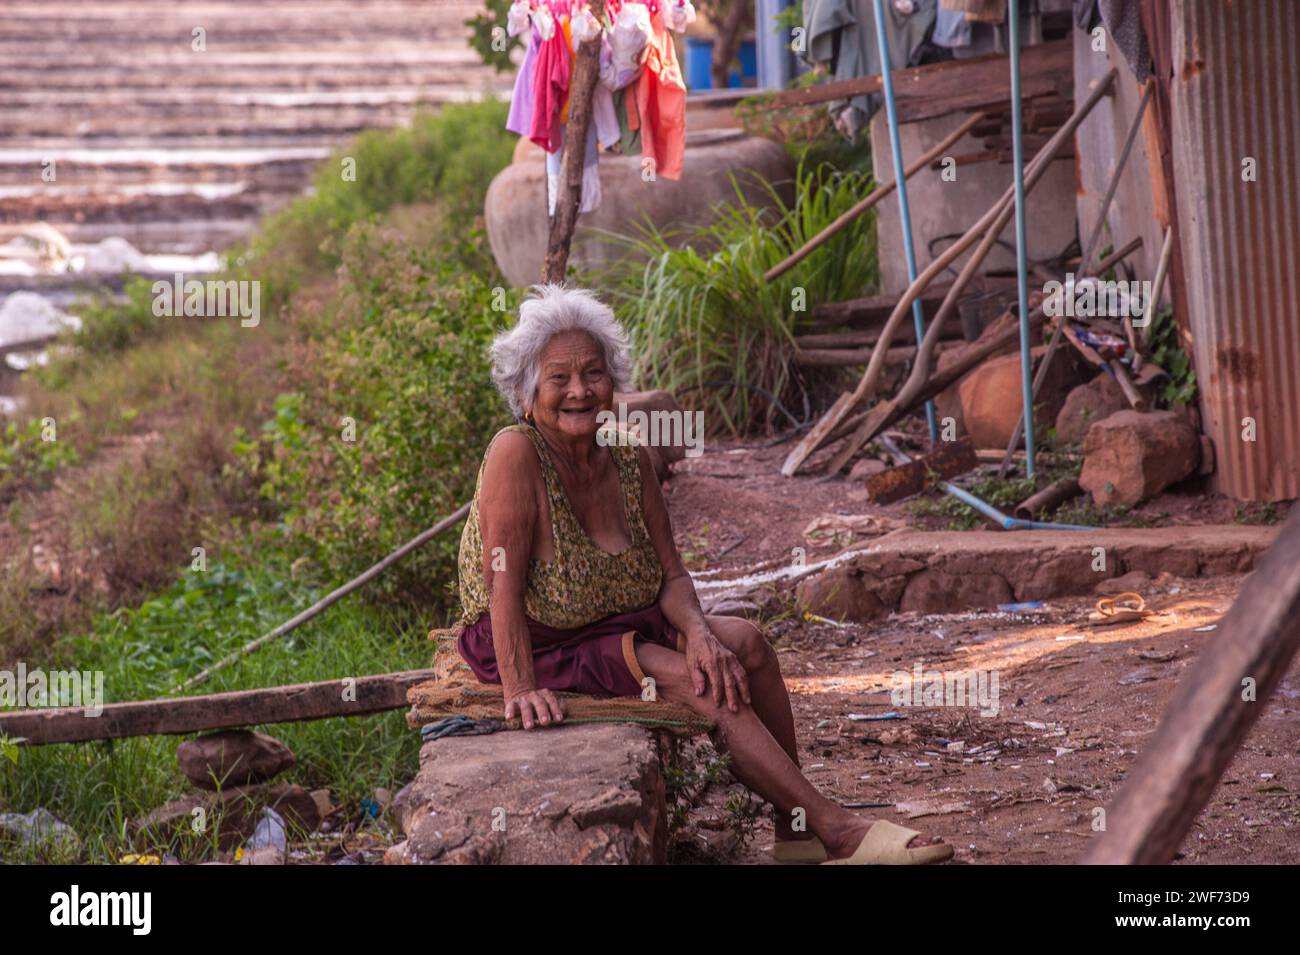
[570,580]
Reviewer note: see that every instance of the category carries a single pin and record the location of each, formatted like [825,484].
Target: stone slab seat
[577,793]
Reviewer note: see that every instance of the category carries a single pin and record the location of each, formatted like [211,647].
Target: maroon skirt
[598,659]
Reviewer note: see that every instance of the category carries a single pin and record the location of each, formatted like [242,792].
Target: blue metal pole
[900,178]
[1022,274]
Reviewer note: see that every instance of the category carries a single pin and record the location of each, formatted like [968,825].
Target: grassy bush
[708,327]
[96,788]
[394,410]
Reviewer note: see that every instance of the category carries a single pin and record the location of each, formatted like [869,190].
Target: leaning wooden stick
[880,192]
[1211,714]
[582,87]
[849,400]
[255,645]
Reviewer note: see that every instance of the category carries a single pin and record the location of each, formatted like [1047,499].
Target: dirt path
[1075,703]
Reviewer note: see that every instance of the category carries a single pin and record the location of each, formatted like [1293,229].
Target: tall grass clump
[709,328]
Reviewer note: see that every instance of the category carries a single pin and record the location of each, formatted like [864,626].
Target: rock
[858,592]
[1131,456]
[515,209]
[867,467]
[991,398]
[235,811]
[663,427]
[40,829]
[582,794]
[114,255]
[1085,405]
[933,591]
[1135,581]
[26,317]
[233,758]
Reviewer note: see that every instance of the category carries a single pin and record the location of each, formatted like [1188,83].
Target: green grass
[709,328]
[145,652]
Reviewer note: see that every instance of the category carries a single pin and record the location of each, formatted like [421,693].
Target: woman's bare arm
[508,514]
[710,663]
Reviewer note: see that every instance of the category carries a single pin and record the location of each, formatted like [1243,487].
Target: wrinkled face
[574,386]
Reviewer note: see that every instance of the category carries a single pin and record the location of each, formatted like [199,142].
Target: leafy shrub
[396,409]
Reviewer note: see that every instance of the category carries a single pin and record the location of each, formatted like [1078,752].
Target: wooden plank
[982,82]
[1210,716]
[874,309]
[211,711]
[948,460]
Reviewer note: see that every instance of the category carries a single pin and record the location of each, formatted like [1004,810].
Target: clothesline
[639,106]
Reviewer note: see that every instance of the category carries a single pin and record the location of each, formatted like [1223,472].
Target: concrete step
[953,571]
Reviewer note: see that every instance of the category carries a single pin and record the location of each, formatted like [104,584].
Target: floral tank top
[583,583]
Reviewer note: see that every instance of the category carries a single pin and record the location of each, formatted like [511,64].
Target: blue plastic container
[699,63]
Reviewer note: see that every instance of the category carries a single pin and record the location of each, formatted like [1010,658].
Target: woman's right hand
[534,706]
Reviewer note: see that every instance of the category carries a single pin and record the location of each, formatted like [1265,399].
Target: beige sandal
[886,844]
[798,851]
[1122,608]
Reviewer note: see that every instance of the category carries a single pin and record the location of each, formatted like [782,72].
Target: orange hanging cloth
[660,103]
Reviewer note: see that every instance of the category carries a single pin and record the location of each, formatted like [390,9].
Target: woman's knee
[745,640]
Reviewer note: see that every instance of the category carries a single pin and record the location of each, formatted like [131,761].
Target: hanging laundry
[550,89]
[841,35]
[639,104]
[655,104]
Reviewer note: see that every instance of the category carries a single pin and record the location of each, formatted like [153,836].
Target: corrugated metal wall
[1236,96]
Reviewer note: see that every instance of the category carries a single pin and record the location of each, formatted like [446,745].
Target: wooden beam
[948,460]
[212,711]
[1211,714]
[981,82]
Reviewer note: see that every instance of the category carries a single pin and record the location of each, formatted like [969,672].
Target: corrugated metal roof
[1236,96]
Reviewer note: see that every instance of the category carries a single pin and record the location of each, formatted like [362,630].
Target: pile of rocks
[232,770]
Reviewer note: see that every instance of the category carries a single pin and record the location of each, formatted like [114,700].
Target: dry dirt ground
[1076,704]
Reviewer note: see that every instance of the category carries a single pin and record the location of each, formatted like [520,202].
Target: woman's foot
[844,843]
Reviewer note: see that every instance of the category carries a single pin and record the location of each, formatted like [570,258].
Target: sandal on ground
[1122,608]
[799,851]
[886,844]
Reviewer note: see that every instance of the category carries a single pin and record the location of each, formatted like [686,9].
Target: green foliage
[493,49]
[25,455]
[109,326]
[1252,513]
[446,159]
[395,410]
[705,323]
[1167,351]
[145,652]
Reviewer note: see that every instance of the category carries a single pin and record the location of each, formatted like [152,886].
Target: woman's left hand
[711,665]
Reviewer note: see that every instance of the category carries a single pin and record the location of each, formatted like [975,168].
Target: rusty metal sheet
[1236,136]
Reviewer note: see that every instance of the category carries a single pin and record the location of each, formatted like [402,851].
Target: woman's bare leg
[767,689]
[758,760]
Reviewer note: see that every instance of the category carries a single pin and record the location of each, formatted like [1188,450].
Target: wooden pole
[212,711]
[848,401]
[1210,716]
[417,541]
[582,86]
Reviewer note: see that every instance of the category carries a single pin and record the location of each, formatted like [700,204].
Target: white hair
[549,311]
